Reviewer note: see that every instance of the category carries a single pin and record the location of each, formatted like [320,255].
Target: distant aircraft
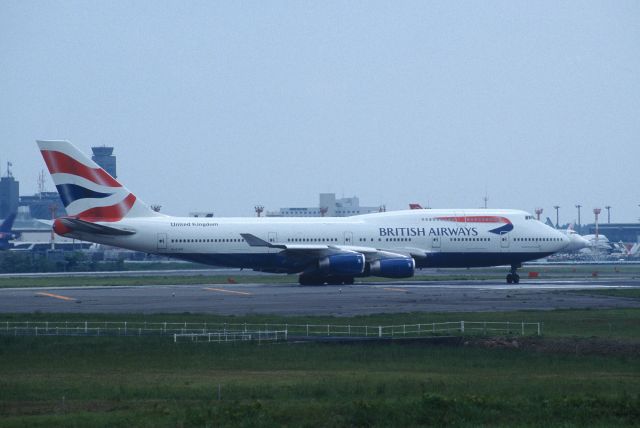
[331,250]
[576,241]
[599,243]
[5,232]
[415,207]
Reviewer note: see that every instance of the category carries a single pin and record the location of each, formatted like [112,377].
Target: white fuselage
[434,238]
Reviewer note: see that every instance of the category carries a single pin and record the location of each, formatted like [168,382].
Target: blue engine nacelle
[393,268]
[342,264]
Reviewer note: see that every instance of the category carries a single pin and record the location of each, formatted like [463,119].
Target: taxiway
[290,299]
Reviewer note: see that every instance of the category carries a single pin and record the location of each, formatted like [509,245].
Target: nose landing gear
[512,276]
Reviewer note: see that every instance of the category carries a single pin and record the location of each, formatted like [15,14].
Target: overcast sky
[224,105]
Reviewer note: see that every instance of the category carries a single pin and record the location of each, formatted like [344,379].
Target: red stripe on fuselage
[58,162]
[111,213]
[477,219]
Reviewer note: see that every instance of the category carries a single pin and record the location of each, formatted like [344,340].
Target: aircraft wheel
[510,278]
[516,278]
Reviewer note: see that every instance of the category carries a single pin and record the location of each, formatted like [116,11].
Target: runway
[290,299]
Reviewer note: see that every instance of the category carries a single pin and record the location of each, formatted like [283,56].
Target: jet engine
[401,267]
[342,264]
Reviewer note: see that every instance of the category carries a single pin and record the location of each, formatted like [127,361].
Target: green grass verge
[153,382]
[150,381]
[633,293]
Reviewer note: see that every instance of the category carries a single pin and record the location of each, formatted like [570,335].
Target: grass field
[151,381]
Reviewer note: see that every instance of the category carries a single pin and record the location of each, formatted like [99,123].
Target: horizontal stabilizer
[77,225]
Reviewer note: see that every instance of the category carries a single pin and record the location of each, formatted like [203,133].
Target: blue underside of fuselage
[274,262]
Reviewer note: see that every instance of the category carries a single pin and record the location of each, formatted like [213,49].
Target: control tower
[9,191]
[104,157]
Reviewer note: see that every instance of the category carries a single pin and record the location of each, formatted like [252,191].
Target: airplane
[322,250]
[576,241]
[5,232]
[599,243]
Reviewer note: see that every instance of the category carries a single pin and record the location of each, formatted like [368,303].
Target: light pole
[596,212]
[538,212]
[557,208]
[578,206]
[608,208]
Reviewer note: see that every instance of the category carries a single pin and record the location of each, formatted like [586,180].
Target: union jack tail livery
[87,191]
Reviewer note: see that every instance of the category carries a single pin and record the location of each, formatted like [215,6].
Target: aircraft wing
[320,250]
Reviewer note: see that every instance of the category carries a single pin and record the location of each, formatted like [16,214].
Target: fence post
[85,327]
[462,326]
[538,329]
[380,331]
[328,333]
[508,327]
[522,328]
[125,328]
[433,328]
[349,330]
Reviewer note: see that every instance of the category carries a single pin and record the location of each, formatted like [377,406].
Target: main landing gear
[512,276]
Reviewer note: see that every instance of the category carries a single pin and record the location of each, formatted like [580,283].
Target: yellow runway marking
[402,290]
[57,296]
[222,290]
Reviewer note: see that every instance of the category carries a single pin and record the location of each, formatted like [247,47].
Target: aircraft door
[435,242]
[504,240]
[162,241]
[348,238]
[273,238]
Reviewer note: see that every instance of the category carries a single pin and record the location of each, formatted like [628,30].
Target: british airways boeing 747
[322,250]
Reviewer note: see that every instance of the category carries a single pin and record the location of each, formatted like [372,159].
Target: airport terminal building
[617,232]
[328,206]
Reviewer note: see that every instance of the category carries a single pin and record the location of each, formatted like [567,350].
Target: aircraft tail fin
[87,191]
[7,224]
[549,223]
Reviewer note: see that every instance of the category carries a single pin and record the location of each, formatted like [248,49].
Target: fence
[256,336]
[258,331]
